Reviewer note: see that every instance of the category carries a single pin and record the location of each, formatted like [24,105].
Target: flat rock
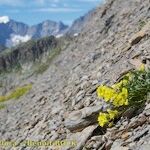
[81,137]
[77,120]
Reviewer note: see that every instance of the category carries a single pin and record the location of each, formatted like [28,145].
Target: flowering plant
[131,91]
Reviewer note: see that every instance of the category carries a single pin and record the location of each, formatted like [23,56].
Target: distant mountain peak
[13,32]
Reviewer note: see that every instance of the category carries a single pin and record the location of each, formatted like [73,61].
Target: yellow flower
[118,101]
[142,67]
[103,119]
[105,92]
[110,94]
[124,93]
[126,102]
[129,76]
[100,91]
[112,113]
[110,124]
[117,86]
[122,98]
[125,82]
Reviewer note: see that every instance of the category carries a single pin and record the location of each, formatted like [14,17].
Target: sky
[35,11]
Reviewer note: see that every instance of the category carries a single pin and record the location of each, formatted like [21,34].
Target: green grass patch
[17,93]
[42,67]
[142,23]
[2,106]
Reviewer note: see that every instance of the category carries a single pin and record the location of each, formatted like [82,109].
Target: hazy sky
[35,11]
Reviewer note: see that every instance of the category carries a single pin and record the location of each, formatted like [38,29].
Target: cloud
[45,2]
[58,9]
[17,39]
[12,11]
[11,2]
[4,19]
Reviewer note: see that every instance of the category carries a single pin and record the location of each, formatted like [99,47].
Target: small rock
[80,119]
[117,146]
[54,135]
[140,134]
[84,85]
[94,82]
[87,101]
[85,78]
[147,110]
[126,135]
[139,35]
[95,142]
[82,137]
[145,147]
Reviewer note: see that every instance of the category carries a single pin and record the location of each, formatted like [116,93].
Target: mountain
[11,28]
[13,32]
[17,28]
[47,28]
[79,23]
[62,108]
[25,53]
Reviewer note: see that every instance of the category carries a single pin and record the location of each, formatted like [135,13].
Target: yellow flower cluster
[105,92]
[110,94]
[121,98]
[105,118]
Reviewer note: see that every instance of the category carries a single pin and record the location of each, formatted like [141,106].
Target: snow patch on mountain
[17,39]
[4,19]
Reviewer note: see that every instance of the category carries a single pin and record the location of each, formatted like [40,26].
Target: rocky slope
[63,103]
[79,23]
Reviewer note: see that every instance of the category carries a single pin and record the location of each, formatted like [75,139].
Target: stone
[94,82]
[80,95]
[82,137]
[77,120]
[147,110]
[85,78]
[54,135]
[126,135]
[94,142]
[99,74]
[84,85]
[117,146]
[145,147]
[139,35]
[141,134]
[87,101]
